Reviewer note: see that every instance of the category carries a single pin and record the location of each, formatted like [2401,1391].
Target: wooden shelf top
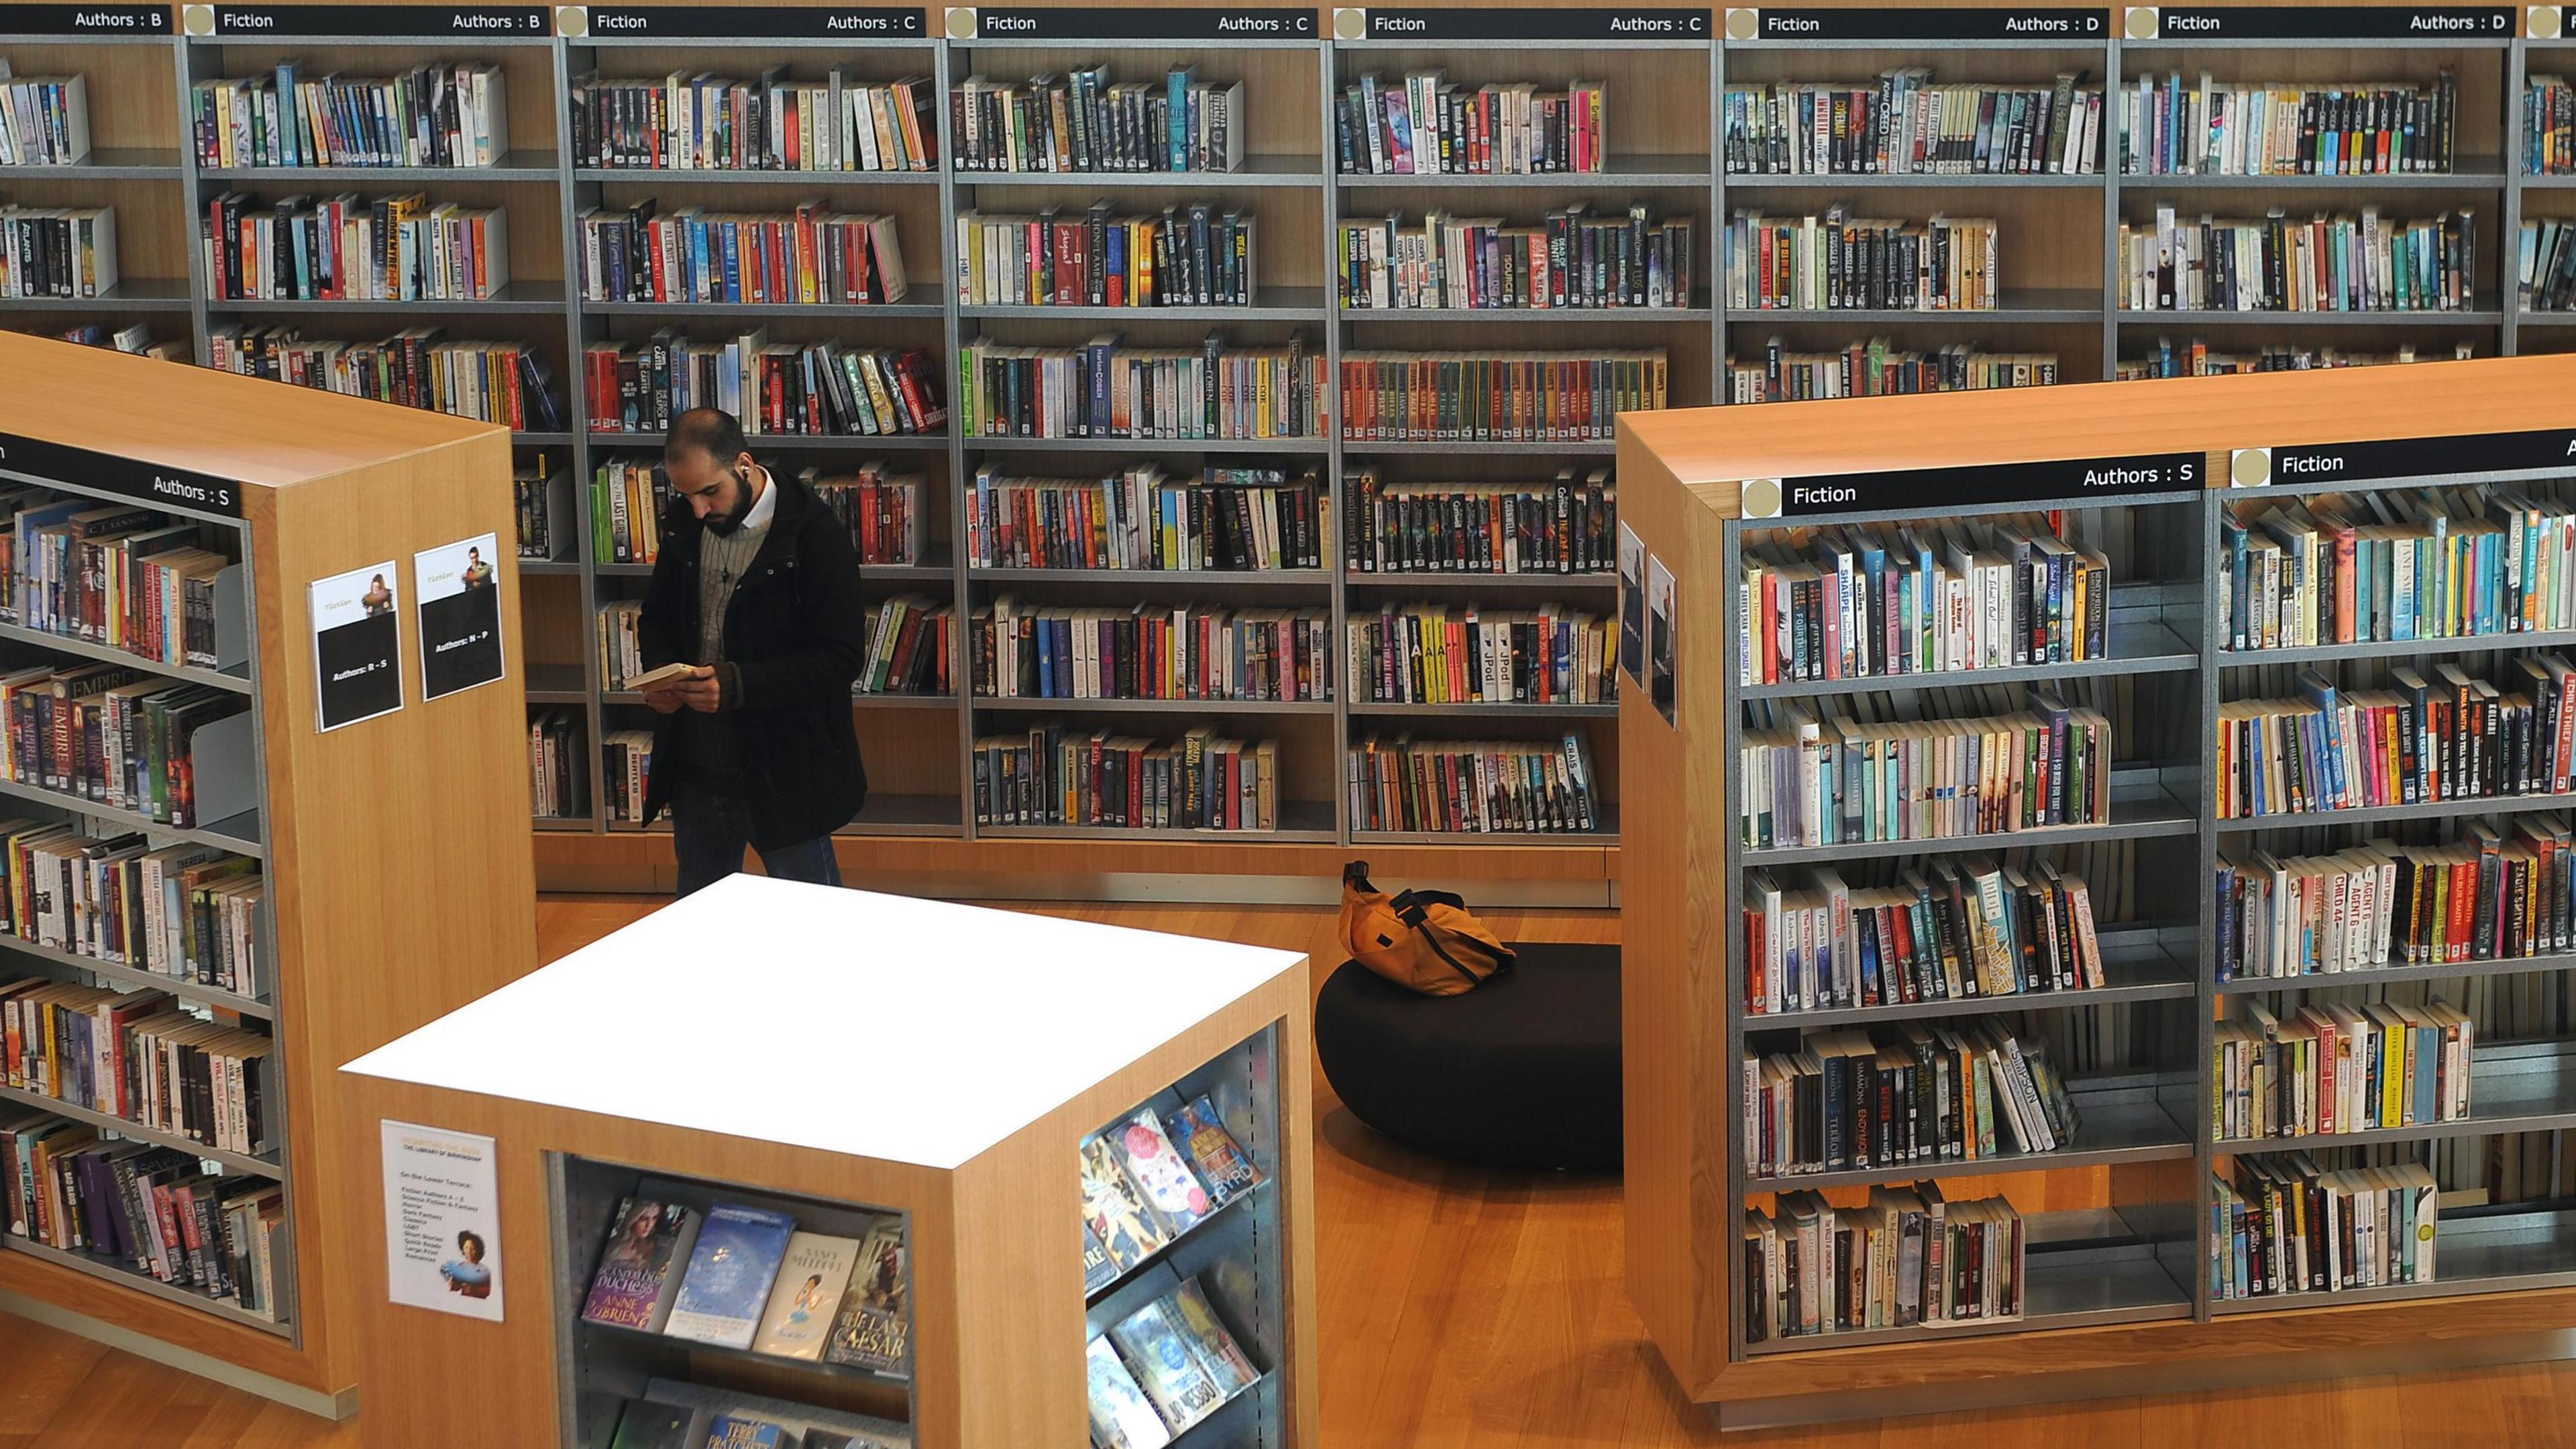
[1713,450]
[203,421]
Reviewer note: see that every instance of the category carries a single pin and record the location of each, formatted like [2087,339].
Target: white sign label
[442,1221]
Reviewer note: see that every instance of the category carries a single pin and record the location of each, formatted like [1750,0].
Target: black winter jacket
[792,645]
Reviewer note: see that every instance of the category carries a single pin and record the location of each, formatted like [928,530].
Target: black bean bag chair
[1523,1071]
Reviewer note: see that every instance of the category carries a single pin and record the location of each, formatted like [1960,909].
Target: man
[756,588]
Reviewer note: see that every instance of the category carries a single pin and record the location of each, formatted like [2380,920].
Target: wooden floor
[1461,1309]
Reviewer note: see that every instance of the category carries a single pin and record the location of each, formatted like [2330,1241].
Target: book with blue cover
[740,1431]
[730,1271]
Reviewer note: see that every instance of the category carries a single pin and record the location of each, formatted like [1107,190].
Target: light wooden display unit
[398,883]
[837,1072]
[2119,1298]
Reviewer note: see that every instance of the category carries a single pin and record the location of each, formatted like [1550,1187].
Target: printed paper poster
[1632,603]
[460,615]
[1661,648]
[442,1221]
[357,644]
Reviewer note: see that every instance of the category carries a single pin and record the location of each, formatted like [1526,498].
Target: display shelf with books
[2192,1025]
[212,514]
[876,1260]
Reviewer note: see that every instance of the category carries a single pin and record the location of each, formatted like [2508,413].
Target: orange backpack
[1425,941]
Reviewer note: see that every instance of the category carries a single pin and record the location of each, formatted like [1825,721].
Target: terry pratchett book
[741,1431]
[737,1258]
[640,1265]
[807,1295]
[1157,1348]
[1222,1163]
[873,1331]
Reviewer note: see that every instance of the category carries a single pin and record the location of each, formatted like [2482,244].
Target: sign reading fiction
[1933,23]
[1543,24]
[357,644]
[768,22]
[2425,457]
[127,477]
[84,19]
[442,1220]
[2336,22]
[460,614]
[404,20]
[2071,478]
[1143,22]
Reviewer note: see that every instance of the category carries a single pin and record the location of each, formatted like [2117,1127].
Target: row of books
[107,573]
[881,510]
[557,767]
[1429,653]
[344,249]
[57,251]
[1426,125]
[1148,651]
[44,119]
[1836,780]
[1877,367]
[111,734]
[445,113]
[1144,1186]
[2545,265]
[1560,527]
[907,643]
[1910,1256]
[1062,775]
[489,382]
[2498,893]
[543,531]
[1496,397]
[2418,741]
[1905,124]
[133,337]
[743,1422]
[153,1210]
[628,497]
[2196,358]
[790,389]
[2330,1067]
[1573,258]
[2548,126]
[1859,1100]
[751,1279]
[2285,1225]
[135,1056]
[1843,260]
[186,912]
[1084,121]
[1163,1370]
[2344,262]
[626,772]
[1190,254]
[1862,602]
[1143,519]
[1949,931]
[1107,389]
[2384,566]
[1474,787]
[812,256]
[621,643]
[708,122]
[2259,128]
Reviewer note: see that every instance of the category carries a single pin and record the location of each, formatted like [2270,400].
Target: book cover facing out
[647,1247]
[738,1252]
[357,642]
[460,615]
[874,1331]
[808,1294]
[648,1425]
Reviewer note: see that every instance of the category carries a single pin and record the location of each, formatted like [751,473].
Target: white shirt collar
[767,506]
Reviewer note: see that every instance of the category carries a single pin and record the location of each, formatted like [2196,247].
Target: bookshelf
[2117,1273]
[968,1164]
[290,490]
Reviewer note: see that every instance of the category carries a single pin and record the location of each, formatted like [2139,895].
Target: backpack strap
[1412,908]
[1355,876]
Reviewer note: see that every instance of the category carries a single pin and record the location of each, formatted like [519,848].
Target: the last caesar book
[874,1330]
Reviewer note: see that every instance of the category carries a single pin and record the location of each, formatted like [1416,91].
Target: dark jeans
[710,832]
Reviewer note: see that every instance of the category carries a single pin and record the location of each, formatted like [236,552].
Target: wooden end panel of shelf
[1671,880]
[176,1324]
[400,863]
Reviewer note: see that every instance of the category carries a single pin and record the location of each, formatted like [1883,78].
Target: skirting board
[1196,890]
[204,1366]
[2144,1381]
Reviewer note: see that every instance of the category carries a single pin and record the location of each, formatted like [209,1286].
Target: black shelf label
[1144,22]
[2425,457]
[2071,481]
[235,22]
[126,477]
[2336,22]
[84,19]
[765,22]
[1539,25]
[1931,23]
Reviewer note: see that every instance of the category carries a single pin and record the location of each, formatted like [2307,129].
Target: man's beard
[723,523]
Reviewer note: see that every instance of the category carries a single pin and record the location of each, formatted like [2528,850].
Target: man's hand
[665,700]
[701,691]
